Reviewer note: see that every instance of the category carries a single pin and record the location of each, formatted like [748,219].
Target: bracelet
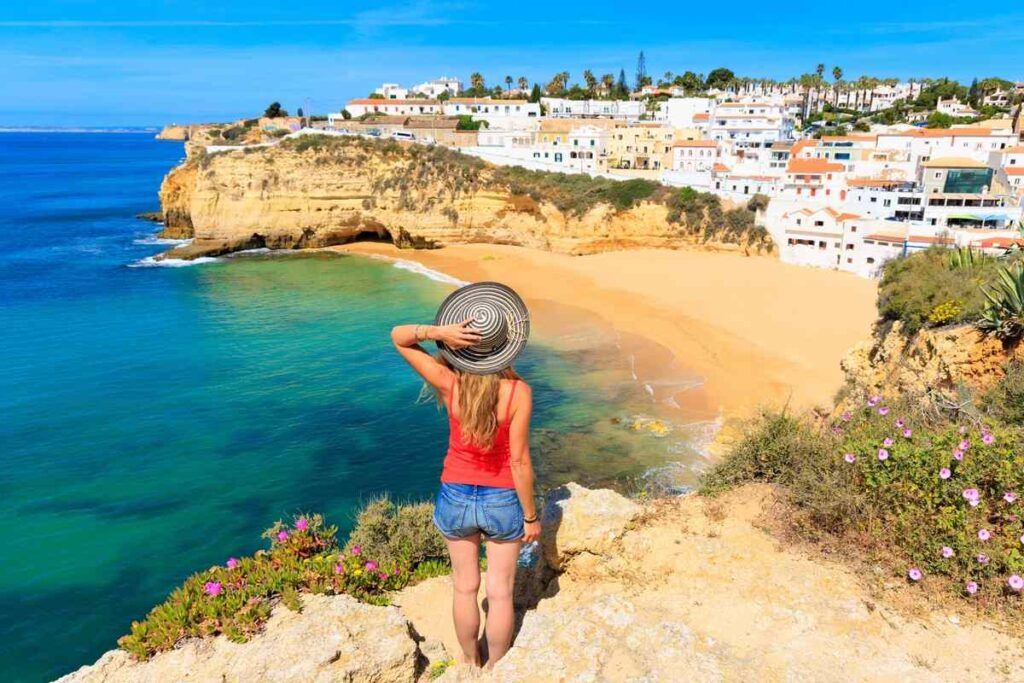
[529,521]
[416,333]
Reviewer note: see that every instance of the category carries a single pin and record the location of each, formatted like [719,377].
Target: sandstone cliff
[681,589]
[316,191]
[893,363]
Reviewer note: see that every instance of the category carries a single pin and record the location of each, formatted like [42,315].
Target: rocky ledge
[683,589]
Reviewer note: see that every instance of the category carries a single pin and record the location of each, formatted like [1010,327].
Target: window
[819,224]
[870,259]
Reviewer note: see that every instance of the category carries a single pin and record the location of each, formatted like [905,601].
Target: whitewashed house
[413,107]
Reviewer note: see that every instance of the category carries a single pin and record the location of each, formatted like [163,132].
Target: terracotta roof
[1015,171]
[840,216]
[812,166]
[1016,149]
[444,122]
[367,100]
[759,178]
[953,162]
[920,239]
[801,145]
[720,168]
[944,132]
[1001,242]
[695,143]
[484,100]
[875,182]
[701,116]
[849,138]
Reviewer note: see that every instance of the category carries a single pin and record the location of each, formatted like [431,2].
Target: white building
[413,107]
[506,114]
[625,110]
[392,91]
[954,107]
[691,156]
[750,124]
[434,88]
[682,112]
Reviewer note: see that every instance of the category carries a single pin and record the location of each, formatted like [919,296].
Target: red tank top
[469,464]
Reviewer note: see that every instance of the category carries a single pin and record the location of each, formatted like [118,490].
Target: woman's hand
[457,336]
[532,531]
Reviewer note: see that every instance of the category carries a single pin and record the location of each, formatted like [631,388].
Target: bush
[1005,400]
[1003,315]
[405,532]
[941,497]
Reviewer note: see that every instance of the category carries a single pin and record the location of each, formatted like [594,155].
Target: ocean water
[154,420]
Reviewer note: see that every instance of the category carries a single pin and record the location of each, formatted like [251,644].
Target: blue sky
[80,62]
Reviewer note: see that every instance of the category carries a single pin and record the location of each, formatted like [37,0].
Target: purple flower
[984,535]
[370,566]
[883,411]
[846,417]
[907,433]
[873,401]
[357,550]
[1010,497]
[1015,583]
[837,430]
[988,439]
[301,524]
[914,574]
[212,588]
[944,473]
[383,576]
[964,445]
[972,497]
[958,454]
[982,558]
[282,535]
[883,454]
[900,423]
[339,569]
[971,587]
[850,458]
[232,562]
[947,552]
[888,442]
[1022,540]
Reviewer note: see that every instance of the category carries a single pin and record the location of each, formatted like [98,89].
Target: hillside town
[844,175]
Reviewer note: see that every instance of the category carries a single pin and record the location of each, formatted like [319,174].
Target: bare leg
[501,576]
[465,554]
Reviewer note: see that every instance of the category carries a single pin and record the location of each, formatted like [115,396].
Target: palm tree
[523,83]
[590,80]
[607,83]
[476,81]
[508,83]
[837,76]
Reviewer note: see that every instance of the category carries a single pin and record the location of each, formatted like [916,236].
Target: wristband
[529,521]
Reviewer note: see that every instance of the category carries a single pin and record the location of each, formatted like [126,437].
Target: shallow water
[156,419]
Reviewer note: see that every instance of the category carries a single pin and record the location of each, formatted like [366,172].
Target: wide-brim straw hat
[498,314]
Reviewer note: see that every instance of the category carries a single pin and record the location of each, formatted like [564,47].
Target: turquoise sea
[154,420]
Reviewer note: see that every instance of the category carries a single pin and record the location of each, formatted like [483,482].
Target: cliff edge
[683,589]
[317,190]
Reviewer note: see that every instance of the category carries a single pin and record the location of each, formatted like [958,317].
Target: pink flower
[1015,583]
[212,588]
[837,430]
[988,439]
[984,535]
[282,535]
[944,473]
[231,563]
[1022,540]
[915,574]
[883,411]
[873,401]
[900,423]
[888,442]
[907,433]
[883,454]
[339,569]
[850,458]
[982,558]
[370,566]
[964,445]
[971,587]
[970,494]
[301,524]
[383,576]
[958,454]
[846,417]
[357,550]
[947,552]
[1010,497]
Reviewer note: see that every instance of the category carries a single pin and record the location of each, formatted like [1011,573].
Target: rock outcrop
[312,192]
[893,363]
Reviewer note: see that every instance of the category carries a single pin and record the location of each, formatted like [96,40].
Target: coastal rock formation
[173,132]
[894,363]
[334,638]
[315,191]
[681,589]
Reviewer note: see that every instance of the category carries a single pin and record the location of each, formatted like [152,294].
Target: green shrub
[1005,400]
[1003,315]
[405,532]
[941,497]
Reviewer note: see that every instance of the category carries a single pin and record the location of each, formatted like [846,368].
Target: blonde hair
[478,404]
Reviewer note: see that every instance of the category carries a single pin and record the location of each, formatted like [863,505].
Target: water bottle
[529,554]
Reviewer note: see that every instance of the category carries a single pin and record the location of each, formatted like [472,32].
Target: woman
[487,480]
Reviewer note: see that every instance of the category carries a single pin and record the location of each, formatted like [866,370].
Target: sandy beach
[757,330]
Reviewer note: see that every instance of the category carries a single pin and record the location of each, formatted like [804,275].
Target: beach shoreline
[754,330]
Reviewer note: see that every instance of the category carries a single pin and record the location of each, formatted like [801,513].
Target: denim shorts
[462,510]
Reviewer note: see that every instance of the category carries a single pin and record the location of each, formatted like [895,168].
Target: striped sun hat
[498,314]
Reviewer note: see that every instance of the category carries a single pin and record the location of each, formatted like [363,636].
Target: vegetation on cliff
[388,549]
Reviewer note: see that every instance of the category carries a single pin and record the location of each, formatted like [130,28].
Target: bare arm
[522,466]
[407,338]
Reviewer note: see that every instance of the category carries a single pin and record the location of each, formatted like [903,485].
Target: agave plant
[1004,311]
[964,258]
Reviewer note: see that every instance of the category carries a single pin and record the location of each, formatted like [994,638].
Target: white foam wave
[151,262]
[161,241]
[435,275]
